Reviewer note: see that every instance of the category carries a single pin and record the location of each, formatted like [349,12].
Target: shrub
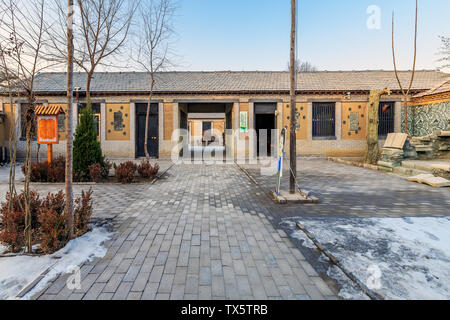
[146,170]
[13,221]
[53,230]
[43,172]
[125,172]
[105,169]
[48,220]
[95,172]
[86,147]
[38,172]
[83,212]
[57,170]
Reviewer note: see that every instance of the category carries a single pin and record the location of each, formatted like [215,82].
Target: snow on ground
[412,254]
[3,249]
[18,272]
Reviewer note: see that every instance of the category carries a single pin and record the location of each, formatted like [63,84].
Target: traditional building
[430,110]
[332,109]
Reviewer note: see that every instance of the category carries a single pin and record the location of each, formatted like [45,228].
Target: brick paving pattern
[203,232]
[348,191]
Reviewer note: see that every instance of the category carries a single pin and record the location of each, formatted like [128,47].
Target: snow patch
[413,254]
[16,273]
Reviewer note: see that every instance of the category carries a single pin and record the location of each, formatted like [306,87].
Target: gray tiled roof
[186,82]
[442,87]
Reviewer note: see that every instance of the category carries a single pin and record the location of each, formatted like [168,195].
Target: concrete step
[420,166]
[409,172]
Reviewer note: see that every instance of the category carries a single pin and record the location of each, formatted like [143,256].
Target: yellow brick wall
[8,121]
[168,121]
[111,133]
[302,133]
[347,109]
[244,107]
[218,127]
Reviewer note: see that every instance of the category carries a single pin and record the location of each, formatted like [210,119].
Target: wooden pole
[50,153]
[69,146]
[293,135]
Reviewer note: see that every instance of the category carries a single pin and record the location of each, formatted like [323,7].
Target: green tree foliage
[86,147]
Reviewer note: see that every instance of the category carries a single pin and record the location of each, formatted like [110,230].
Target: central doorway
[265,122]
[153,130]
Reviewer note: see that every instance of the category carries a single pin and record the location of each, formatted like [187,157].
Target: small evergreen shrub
[86,147]
[146,170]
[126,172]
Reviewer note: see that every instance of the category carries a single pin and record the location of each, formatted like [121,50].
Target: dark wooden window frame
[386,123]
[324,121]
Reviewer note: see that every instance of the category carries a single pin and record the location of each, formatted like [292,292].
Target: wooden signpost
[47,127]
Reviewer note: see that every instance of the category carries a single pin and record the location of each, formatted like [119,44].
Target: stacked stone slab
[393,153]
[433,146]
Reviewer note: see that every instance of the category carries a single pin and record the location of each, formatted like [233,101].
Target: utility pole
[293,135]
[69,149]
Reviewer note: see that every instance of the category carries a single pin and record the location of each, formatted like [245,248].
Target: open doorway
[265,122]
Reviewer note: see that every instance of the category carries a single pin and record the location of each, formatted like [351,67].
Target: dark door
[153,130]
[264,124]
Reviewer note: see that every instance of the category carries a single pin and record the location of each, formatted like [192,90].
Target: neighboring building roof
[443,87]
[229,82]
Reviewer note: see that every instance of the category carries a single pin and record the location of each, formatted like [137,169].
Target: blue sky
[333,35]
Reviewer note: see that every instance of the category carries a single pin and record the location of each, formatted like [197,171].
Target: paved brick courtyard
[348,191]
[208,232]
[199,233]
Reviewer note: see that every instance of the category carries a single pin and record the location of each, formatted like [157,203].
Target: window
[386,116]
[324,120]
[23,123]
[61,123]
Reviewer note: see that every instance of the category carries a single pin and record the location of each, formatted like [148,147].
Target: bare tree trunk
[28,230]
[372,149]
[88,90]
[69,146]
[147,156]
[293,135]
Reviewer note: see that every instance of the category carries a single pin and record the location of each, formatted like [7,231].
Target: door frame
[156,114]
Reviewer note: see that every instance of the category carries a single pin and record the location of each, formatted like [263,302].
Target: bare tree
[9,85]
[98,37]
[445,52]
[24,27]
[105,25]
[303,66]
[69,142]
[372,149]
[405,93]
[154,45]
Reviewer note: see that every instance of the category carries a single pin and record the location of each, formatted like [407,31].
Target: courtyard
[209,232]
